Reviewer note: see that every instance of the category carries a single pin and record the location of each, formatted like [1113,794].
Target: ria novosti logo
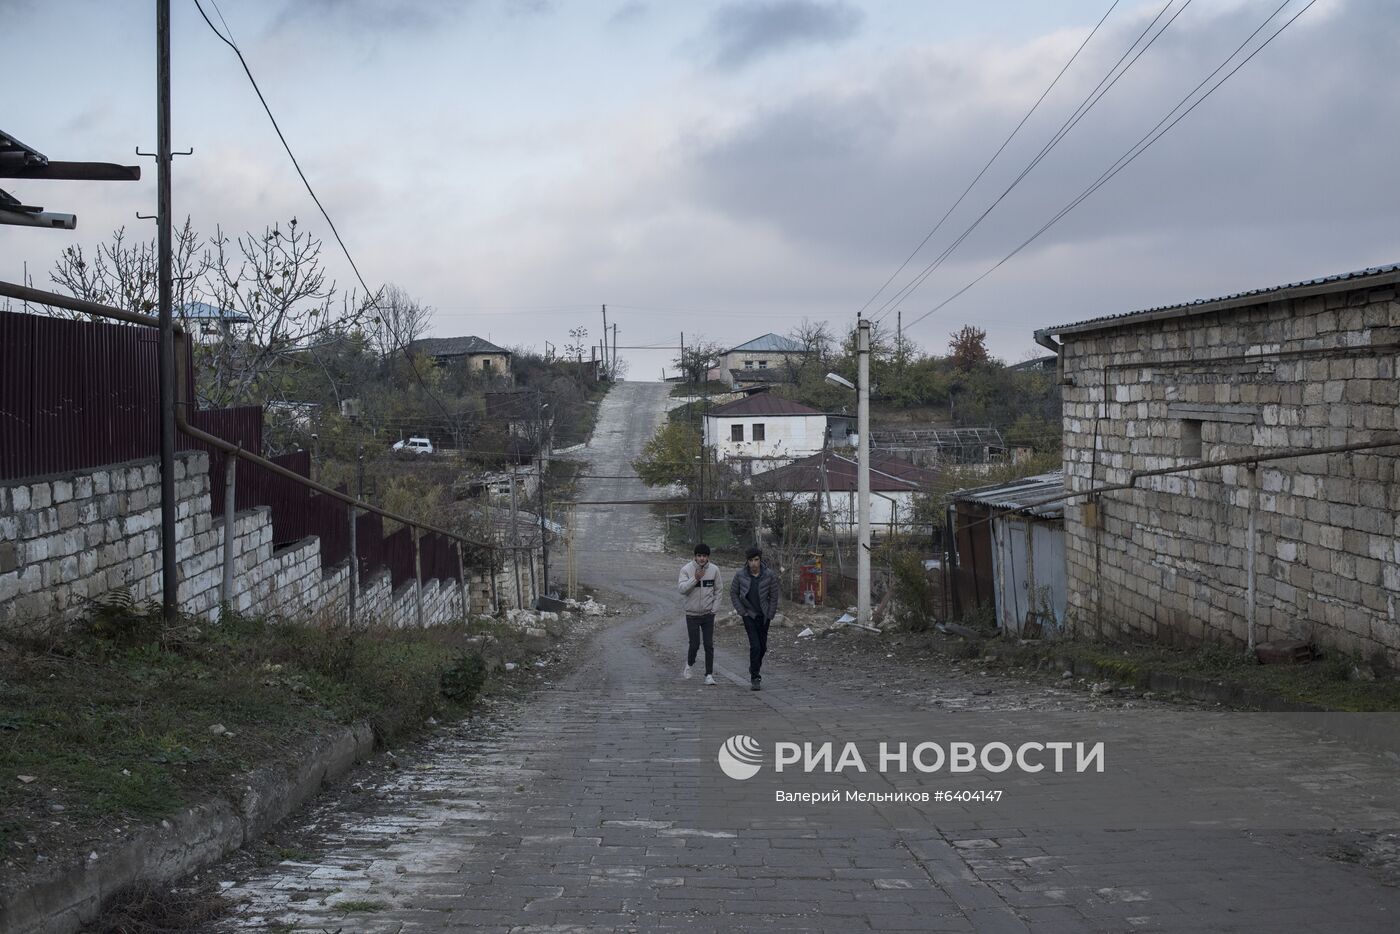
[740,757]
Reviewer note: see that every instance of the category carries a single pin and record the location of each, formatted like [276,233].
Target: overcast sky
[727,168]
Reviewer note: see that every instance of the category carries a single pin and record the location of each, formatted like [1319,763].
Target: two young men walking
[754,595]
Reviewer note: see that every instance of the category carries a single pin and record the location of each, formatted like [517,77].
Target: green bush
[463,681]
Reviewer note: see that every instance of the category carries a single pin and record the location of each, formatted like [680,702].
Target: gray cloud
[368,16]
[630,13]
[743,32]
[1282,151]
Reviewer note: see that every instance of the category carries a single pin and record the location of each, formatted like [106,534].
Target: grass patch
[124,718]
[1328,682]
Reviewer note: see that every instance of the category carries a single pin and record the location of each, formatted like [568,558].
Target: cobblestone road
[582,810]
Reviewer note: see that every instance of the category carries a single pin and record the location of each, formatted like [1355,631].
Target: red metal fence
[82,394]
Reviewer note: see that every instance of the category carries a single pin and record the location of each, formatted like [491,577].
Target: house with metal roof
[1006,553]
[764,431]
[761,361]
[1250,451]
[477,354]
[829,481]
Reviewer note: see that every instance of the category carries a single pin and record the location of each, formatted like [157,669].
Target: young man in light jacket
[699,583]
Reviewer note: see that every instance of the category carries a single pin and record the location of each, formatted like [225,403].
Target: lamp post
[862,389]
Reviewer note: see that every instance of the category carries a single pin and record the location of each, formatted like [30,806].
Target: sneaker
[710,679]
[685,672]
[756,684]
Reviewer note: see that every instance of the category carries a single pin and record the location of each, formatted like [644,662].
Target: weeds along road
[597,806]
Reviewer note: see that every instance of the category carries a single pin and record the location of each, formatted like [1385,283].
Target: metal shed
[1010,554]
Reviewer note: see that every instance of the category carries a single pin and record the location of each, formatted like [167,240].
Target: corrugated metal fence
[81,394]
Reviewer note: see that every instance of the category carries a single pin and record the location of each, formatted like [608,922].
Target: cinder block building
[1300,536]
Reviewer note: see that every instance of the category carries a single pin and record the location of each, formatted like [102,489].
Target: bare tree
[698,358]
[398,320]
[276,280]
[576,344]
[124,274]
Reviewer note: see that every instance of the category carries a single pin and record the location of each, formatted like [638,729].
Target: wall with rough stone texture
[1169,559]
[67,539]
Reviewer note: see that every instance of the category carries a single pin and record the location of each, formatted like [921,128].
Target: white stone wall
[67,539]
[786,438]
[1169,559]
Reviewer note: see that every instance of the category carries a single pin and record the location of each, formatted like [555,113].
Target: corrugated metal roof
[764,403]
[888,474]
[1016,494]
[774,343]
[1338,282]
[454,346]
[203,311]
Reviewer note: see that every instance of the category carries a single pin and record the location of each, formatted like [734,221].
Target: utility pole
[170,582]
[614,350]
[683,373]
[604,346]
[515,539]
[546,440]
[863,473]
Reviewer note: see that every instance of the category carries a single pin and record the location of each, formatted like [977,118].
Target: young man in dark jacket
[754,594]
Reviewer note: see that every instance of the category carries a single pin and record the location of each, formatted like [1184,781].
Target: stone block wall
[1169,559]
[65,540]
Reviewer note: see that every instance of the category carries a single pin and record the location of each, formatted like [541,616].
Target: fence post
[230,527]
[462,583]
[354,566]
[418,576]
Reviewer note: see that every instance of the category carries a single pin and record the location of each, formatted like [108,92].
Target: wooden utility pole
[515,539]
[170,580]
[604,342]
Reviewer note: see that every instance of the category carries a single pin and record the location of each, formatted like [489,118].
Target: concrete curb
[196,837]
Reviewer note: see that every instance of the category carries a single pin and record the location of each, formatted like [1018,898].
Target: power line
[1141,146]
[370,295]
[1106,84]
[1000,149]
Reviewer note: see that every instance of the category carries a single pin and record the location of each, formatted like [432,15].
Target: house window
[1191,438]
[736,432]
[763,364]
[485,363]
[748,364]
[758,434]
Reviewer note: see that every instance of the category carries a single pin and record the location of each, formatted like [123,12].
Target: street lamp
[862,389]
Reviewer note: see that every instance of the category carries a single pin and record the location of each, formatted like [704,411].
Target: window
[736,432]
[1191,437]
[763,364]
[748,364]
[485,363]
[758,434]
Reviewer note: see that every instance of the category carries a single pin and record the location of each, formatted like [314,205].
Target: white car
[415,446]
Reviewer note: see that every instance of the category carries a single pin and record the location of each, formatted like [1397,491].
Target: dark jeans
[694,626]
[757,628]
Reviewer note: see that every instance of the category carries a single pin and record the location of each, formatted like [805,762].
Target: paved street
[588,808]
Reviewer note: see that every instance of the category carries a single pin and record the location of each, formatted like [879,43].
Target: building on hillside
[1044,364]
[1007,553]
[210,323]
[762,361]
[1298,544]
[527,415]
[473,353]
[828,480]
[764,431]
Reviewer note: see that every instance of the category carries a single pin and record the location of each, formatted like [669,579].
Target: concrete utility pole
[170,579]
[863,472]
